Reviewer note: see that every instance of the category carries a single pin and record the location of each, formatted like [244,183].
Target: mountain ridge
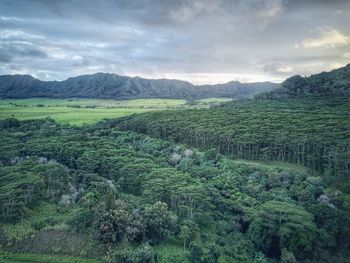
[113,86]
[332,83]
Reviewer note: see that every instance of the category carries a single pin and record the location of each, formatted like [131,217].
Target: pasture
[87,111]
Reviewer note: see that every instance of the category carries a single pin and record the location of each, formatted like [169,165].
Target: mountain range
[112,86]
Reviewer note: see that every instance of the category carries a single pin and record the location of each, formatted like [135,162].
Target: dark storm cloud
[196,40]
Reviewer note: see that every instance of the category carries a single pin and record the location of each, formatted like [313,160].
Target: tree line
[314,133]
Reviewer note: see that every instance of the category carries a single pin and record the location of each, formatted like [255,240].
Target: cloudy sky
[202,41]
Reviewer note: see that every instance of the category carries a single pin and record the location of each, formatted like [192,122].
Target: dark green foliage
[208,253]
[158,221]
[196,252]
[276,225]
[118,224]
[20,190]
[9,123]
[24,184]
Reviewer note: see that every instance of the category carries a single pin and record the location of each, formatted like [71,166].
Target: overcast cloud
[203,41]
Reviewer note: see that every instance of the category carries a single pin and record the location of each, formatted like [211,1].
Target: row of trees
[314,133]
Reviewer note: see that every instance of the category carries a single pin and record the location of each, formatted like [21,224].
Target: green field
[88,111]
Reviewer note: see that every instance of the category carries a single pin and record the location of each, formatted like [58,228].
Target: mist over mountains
[112,86]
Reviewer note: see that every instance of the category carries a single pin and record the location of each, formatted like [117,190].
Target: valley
[181,131]
[213,180]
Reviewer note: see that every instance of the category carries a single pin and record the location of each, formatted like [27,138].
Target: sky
[201,41]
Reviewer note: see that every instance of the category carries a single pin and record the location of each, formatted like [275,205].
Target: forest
[311,132]
[99,194]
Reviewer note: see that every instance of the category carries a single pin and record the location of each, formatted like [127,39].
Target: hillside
[333,83]
[112,86]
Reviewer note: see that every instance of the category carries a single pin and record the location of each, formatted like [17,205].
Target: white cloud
[339,12]
[346,55]
[271,9]
[278,69]
[327,38]
[335,65]
[285,69]
[188,10]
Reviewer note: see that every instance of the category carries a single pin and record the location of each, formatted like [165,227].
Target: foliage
[276,225]
[158,221]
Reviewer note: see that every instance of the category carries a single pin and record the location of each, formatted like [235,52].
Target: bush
[143,254]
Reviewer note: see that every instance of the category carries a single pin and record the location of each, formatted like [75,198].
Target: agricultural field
[88,111]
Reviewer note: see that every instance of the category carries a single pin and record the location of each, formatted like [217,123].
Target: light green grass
[66,114]
[88,111]
[135,103]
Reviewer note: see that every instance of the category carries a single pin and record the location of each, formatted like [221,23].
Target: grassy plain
[88,111]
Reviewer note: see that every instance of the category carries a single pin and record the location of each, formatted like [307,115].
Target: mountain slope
[112,86]
[333,83]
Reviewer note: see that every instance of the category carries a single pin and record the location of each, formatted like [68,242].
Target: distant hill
[112,86]
[333,83]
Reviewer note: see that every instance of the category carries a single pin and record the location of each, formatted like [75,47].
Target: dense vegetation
[124,197]
[88,111]
[314,133]
[333,83]
[112,86]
